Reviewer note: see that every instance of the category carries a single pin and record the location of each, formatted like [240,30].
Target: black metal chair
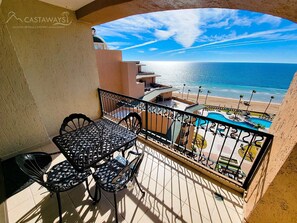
[114,175]
[133,123]
[61,177]
[74,122]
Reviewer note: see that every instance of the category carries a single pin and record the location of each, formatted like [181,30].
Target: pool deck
[226,146]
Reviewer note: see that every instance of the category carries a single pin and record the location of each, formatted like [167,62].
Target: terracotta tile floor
[173,194]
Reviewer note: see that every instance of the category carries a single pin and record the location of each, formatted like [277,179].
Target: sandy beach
[230,102]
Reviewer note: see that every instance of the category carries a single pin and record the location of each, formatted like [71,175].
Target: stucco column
[21,126]
[273,193]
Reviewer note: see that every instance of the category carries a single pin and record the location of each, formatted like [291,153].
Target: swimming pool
[260,121]
[221,117]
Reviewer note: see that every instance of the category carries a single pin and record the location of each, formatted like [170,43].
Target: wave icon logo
[64,20]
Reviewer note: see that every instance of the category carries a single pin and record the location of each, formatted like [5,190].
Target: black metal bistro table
[85,147]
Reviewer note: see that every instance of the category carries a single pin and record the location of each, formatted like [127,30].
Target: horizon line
[191,61]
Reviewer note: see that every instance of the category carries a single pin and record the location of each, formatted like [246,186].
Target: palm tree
[240,97]
[199,91]
[188,94]
[253,92]
[272,97]
[183,90]
[208,92]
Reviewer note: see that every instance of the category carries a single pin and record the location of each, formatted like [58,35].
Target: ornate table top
[85,147]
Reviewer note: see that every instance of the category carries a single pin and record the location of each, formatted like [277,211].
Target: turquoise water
[260,121]
[227,79]
[220,117]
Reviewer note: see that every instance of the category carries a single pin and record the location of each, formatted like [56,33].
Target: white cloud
[105,31]
[117,45]
[245,43]
[220,24]
[153,49]
[180,52]
[113,47]
[262,34]
[131,25]
[218,18]
[140,51]
[213,16]
[182,25]
[138,36]
[163,34]
[275,21]
[139,45]
[185,27]
[214,38]
[242,21]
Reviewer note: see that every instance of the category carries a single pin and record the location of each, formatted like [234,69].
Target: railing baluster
[231,155]
[181,131]
[214,138]
[100,102]
[151,112]
[188,133]
[146,120]
[172,135]
[196,134]
[203,140]
[162,117]
[226,136]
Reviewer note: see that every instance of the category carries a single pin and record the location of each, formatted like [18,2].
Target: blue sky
[206,35]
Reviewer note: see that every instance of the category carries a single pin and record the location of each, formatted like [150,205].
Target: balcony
[192,171]
[174,193]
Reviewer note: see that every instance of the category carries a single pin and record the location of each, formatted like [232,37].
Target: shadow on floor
[12,179]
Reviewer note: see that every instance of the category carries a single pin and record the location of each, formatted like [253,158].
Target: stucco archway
[266,201]
[98,12]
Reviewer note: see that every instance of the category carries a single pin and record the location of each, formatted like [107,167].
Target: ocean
[226,79]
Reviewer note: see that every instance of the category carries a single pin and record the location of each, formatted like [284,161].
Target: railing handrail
[192,114]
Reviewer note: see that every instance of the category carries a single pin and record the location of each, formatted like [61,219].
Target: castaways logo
[40,21]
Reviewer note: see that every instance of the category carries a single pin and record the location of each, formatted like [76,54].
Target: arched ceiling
[102,11]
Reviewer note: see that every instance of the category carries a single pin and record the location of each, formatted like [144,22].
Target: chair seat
[63,176]
[105,174]
[114,175]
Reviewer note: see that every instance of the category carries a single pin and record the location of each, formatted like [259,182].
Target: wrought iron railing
[228,150]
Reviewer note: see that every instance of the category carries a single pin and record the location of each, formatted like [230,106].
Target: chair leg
[95,198]
[59,206]
[143,193]
[136,147]
[115,206]
[88,188]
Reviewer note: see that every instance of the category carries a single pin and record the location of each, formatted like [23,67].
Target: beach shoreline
[230,102]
